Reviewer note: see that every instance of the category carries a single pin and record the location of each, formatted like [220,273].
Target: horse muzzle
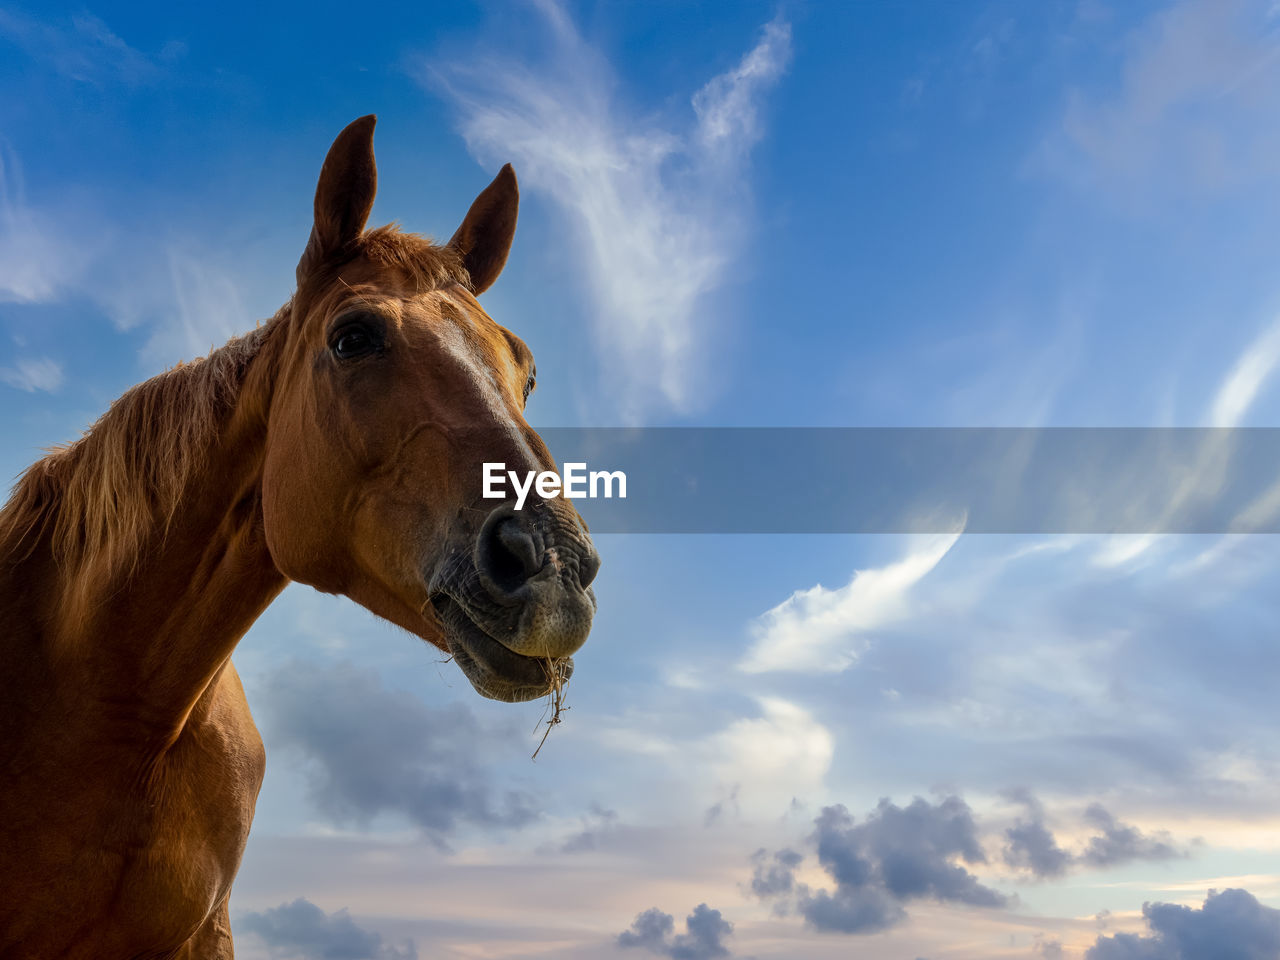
[519,602]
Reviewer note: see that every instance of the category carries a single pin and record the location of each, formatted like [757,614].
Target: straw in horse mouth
[496,671]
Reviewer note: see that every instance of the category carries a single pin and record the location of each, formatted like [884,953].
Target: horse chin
[494,670]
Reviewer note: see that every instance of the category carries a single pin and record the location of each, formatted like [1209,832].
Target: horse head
[394,387]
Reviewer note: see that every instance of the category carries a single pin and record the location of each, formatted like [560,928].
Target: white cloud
[185,293]
[82,48]
[34,262]
[209,311]
[66,245]
[728,123]
[1195,108]
[822,630]
[1205,477]
[754,765]
[31,375]
[1238,392]
[1247,378]
[1123,549]
[771,759]
[657,213]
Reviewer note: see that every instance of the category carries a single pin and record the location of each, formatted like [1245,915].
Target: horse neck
[142,635]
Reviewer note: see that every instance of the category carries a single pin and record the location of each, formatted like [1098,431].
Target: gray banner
[891,480]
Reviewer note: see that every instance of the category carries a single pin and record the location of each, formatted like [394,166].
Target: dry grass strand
[554,670]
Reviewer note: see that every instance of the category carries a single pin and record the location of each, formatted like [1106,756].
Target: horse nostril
[506,553]
[588,568]
[516,541]
[510,552]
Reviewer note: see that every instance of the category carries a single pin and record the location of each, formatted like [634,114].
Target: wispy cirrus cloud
[824,630]
[32,374]
[36,266]
[84,243]
[657,210]
[1250,375]
[1237,394]
[189,299]
[209,310]
[185,295]
[1195,108]
[36,261]
[82,48]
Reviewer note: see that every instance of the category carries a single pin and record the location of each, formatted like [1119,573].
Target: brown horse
[341,445]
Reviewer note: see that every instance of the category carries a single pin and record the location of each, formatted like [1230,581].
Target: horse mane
[104,493]
[100,496]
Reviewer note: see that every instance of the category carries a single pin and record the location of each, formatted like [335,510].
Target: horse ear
[484,239]
[344,195]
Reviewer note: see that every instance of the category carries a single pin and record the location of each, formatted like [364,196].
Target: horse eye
[528,386]
[352,342]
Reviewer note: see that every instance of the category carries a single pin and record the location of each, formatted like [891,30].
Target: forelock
[429,265]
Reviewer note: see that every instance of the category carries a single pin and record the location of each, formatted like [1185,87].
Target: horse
[339,444]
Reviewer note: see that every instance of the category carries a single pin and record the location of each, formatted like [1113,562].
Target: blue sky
[938,214]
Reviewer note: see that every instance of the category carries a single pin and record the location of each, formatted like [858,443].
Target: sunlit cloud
[1237,394]
[823,630]
[771,759]
[1247,378]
